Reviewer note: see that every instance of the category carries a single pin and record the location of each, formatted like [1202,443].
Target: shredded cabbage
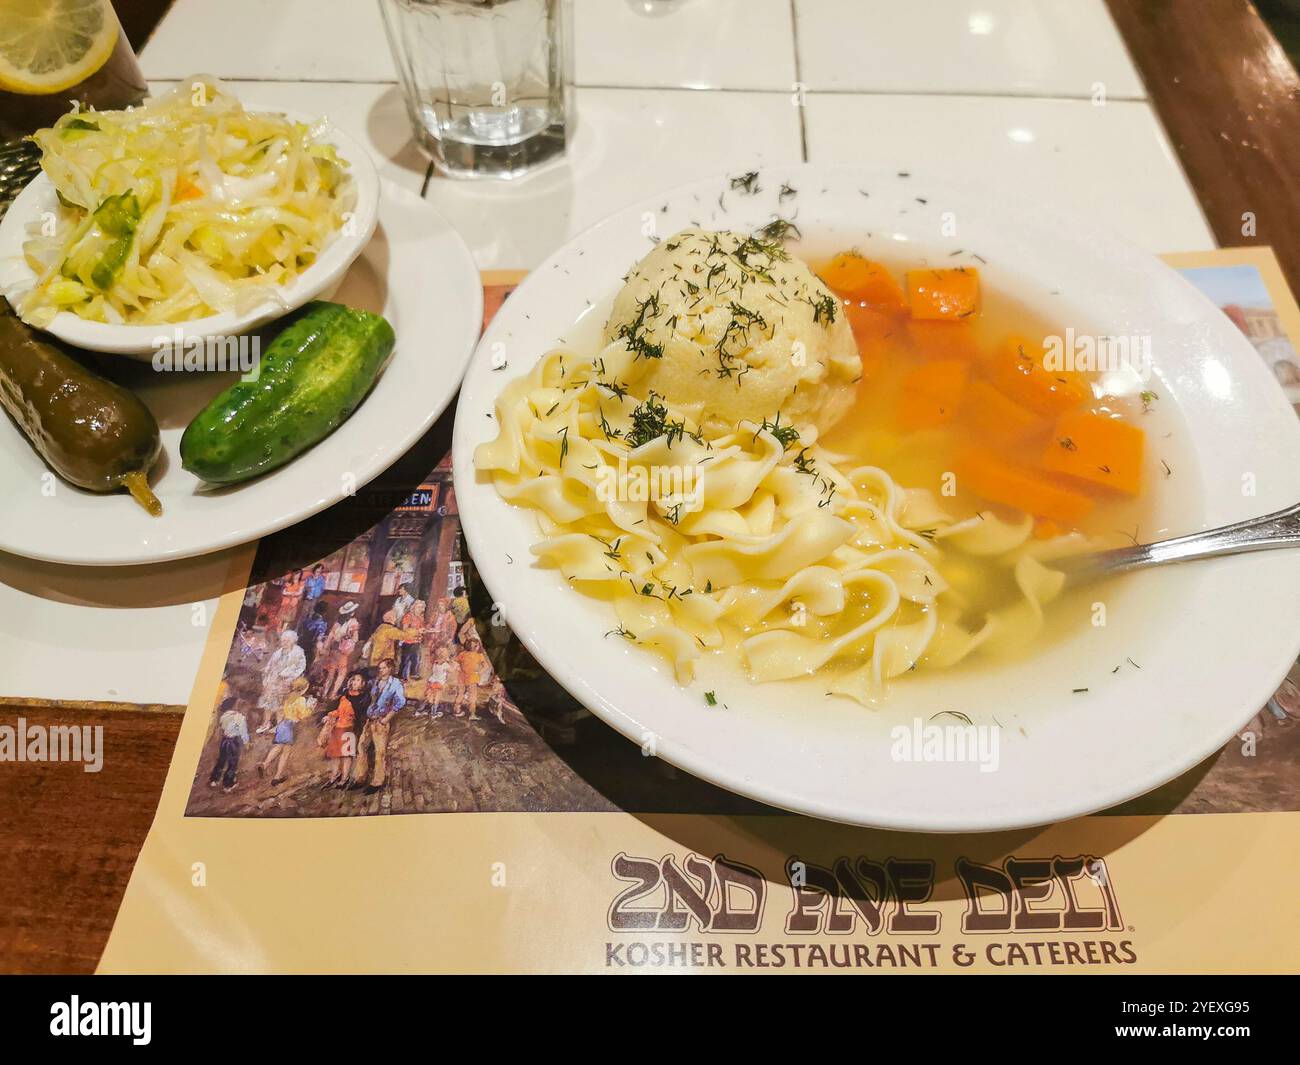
[185,206]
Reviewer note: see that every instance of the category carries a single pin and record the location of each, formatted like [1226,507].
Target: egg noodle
[766,542]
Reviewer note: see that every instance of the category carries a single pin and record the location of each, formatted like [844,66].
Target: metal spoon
[1279,529]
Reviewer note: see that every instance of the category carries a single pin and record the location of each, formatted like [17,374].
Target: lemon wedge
[47,46]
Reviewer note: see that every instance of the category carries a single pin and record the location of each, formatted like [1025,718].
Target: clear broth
[870,435]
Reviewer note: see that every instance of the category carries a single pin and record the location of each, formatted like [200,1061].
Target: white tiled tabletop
[667,92]
[998,47]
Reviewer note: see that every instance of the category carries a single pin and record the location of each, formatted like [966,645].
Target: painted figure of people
[439,688]
[386,699]
[233,726]
[459,605]
[314,586]
[286,665]
[338,734]
[404,601]
[384,640]
[291,592]
[441,630]
[312,631]
[297,707]
[475,672]
[408,648]
[339,646]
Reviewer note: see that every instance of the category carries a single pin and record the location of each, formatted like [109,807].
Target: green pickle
[313,375]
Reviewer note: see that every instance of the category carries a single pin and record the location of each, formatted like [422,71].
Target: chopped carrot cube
[932,394]
[948,294]
[1019,372]
[1046,530]
[872,329]
[943,340]
[876,334]
[1097,448]
[867,283]
[996,419]
[988,475]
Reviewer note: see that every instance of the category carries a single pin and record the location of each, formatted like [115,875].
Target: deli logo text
[855,894]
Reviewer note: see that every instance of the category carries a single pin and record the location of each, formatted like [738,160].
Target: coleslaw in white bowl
[187,217]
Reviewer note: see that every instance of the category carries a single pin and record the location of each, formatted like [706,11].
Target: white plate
[140,341]
[416,272]
[1187,653]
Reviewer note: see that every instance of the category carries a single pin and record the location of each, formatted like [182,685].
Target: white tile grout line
[798,80]
[967,94]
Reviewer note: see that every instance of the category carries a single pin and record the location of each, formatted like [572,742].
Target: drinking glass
[487,82]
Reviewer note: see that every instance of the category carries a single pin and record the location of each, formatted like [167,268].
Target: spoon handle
[1279,529]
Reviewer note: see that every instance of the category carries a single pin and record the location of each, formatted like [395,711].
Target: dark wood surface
[1229,98]
[68,839]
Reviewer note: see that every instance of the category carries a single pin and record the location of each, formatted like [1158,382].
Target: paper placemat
[549,843]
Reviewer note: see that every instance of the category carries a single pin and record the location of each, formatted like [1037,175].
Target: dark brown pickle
[90,431]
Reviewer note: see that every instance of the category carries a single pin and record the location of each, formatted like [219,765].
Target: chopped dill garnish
[757,245]
[711,698]
[1147,397]
[786,434]
[611,550]
[746,183]
[650,421]
[737,330]
[634,332]
[779,229]
[823,309]
[609,431]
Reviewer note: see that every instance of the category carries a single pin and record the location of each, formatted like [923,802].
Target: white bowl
[1187,654]
[141,341]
